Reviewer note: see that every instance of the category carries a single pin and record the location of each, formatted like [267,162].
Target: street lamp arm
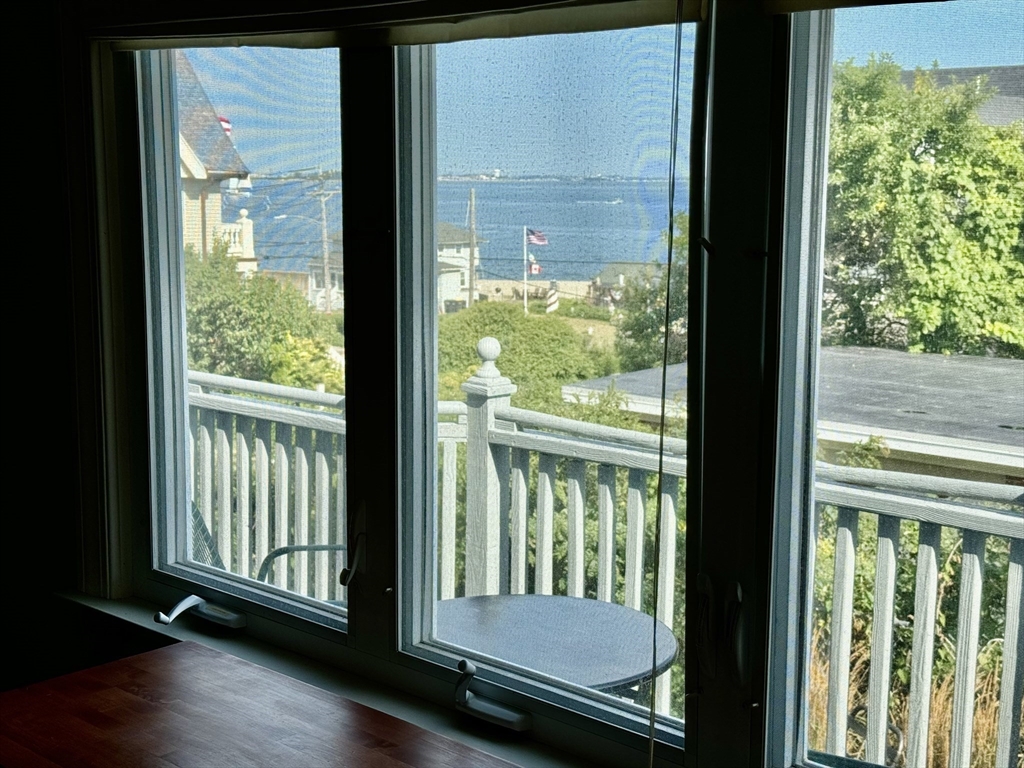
[281,216]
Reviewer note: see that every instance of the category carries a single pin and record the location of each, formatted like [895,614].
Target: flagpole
[526,308]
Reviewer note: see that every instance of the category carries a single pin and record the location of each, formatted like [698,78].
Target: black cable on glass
[673,142]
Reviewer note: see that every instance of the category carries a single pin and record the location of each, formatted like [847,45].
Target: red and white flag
[534,266]
[535,237]
[226,125]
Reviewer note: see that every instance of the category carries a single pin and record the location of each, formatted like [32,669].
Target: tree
[254,327]
[640,340]
[539,353]
[924,247]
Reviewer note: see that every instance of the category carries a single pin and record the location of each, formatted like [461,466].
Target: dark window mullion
[735,411]
[368,140]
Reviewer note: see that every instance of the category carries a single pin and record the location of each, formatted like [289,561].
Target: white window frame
[168,373]
[804,232]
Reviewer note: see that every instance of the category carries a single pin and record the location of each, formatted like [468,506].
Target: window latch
[218,614]
[347,574]
[736,632]
[484,708]
[706,625]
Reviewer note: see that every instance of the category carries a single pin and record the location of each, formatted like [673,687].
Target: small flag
[535,268]
[533,237]
[226,125]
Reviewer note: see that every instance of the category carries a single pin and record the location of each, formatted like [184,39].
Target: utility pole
[472,247]
[323,195]
[326,251]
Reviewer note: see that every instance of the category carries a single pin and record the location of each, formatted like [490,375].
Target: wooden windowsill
[512,747]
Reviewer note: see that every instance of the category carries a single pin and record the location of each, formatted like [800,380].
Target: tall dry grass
[986,709]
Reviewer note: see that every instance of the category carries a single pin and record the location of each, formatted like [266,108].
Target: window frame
[736,249]
[371,643]
[152,73]
[802,274]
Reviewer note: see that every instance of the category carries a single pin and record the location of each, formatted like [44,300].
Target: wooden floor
[189,705]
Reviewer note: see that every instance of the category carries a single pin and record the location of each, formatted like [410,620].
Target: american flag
[533,237]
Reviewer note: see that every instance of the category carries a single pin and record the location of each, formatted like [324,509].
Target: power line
[578,261]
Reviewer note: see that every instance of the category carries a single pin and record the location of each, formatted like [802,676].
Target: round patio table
[588,642]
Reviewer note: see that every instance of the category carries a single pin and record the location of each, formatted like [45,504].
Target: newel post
[245,237]
[487,473]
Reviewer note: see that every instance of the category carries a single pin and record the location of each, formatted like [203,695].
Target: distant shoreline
[551,179]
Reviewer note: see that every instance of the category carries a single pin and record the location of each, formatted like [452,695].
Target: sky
[577,105]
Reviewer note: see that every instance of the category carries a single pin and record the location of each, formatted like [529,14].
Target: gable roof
[1005,107]
[448,235]
[200,127]
[446,265]
[629,270]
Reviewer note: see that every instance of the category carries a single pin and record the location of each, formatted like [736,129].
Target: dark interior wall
[39,529]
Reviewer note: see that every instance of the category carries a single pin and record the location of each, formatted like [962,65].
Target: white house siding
[191,212]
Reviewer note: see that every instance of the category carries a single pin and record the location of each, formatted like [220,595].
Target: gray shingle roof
[630,270]
[960,396]
[448,235]
[200,127]
[1005,107]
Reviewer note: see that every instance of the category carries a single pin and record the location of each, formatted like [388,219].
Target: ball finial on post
[488,348]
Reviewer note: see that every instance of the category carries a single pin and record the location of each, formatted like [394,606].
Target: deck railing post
[487,482]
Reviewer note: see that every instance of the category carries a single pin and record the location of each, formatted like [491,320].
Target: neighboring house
[208,160]
[1005,107]
[453,264]
[607,288]
[913,401]
[306,274]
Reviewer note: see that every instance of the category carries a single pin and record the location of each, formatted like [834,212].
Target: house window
[542,520]
[902,382]
[557,494]
[254,499]
[244,466]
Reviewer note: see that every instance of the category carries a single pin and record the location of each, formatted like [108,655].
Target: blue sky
[968,33]
[570,105]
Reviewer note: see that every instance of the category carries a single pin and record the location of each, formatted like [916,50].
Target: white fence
[896,499]
[282,464]
[270,474]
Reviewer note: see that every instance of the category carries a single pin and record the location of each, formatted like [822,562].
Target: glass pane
[259,147]
[552,241]
[916,619]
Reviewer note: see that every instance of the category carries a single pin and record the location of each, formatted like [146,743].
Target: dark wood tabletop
[189,705]
[592,643]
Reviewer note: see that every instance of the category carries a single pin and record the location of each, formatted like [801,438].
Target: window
[256,495]
[387,118]
[252,435]
[541,523]
[258,503]
[905,387]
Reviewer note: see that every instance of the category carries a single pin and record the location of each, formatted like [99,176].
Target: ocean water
[588,222]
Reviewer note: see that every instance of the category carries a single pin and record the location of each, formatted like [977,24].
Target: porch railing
[277,454]
[977,511]
[268,471]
